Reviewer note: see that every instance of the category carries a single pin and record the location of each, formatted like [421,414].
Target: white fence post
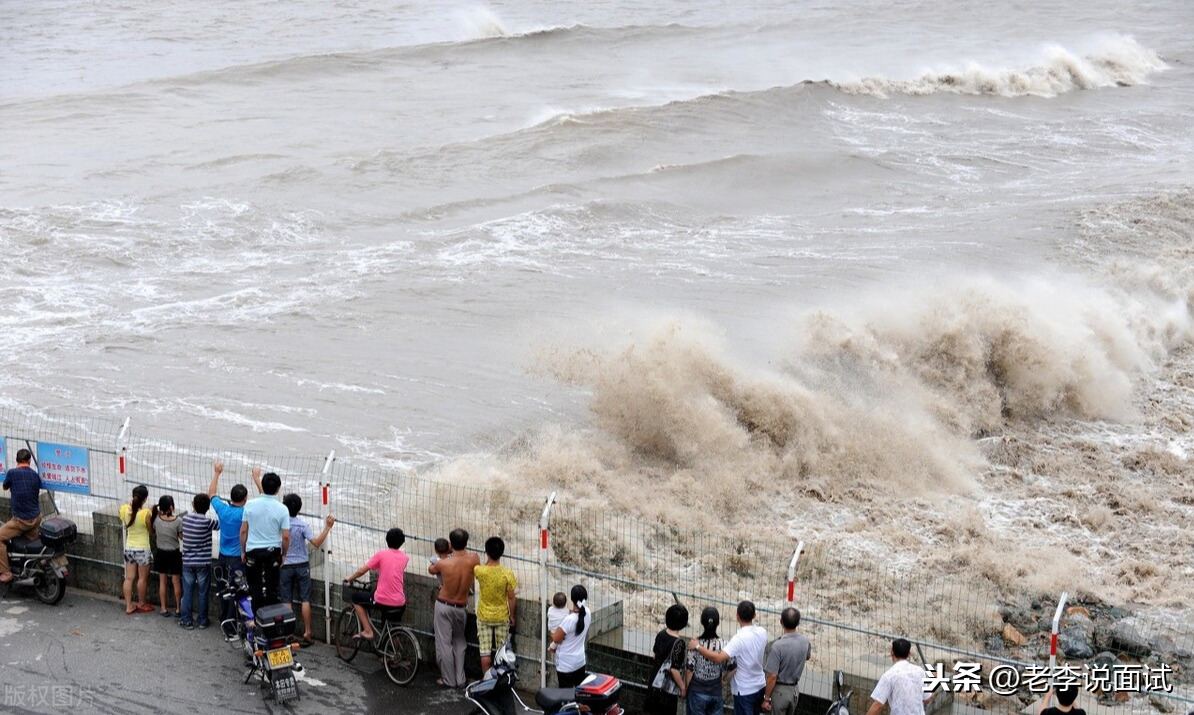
[792,572]
[325,488]
[543,544]
[122,448]
[1056,624]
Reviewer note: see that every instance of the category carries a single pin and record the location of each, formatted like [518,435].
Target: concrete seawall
[96,566]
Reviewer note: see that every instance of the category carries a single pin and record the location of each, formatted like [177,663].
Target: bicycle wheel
[347,626]
[401,656]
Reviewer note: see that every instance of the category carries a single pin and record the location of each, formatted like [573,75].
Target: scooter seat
[21,545]
[550,698]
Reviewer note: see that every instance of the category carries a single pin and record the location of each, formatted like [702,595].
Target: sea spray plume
[480,23]
[673,402]
[986,353]
[1117,62]
[888,399]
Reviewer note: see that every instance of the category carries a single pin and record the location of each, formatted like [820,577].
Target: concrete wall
[96,565]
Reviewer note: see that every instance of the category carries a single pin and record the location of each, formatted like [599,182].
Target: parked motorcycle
[494,694]
[841,706]
[41,563]
[264,638]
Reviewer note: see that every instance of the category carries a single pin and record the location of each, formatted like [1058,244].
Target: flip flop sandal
[306,643]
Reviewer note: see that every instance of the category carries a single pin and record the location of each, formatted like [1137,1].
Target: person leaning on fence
[196,561]
[230,514]
[135,518]
[450,605]
[296,564]
[264,537]
[703,680]
[1066,695]
[25,485]
[785,665]
[902,687]
[667,686]
[497,600]
[746,649]
[571,663]
[390,565]
[167,559]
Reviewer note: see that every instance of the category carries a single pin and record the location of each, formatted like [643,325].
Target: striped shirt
[196,539]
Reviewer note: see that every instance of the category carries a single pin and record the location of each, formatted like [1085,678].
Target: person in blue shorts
[296,564]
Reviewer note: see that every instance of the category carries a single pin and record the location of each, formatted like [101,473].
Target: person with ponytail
[570,640]
[705,693]
[136,520]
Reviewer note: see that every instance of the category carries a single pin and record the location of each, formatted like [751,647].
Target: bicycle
[394,643]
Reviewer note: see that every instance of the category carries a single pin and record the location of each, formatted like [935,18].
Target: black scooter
[41,563]
[494,694]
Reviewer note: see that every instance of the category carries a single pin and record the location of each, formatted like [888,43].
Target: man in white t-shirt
[746,649]
[902,686]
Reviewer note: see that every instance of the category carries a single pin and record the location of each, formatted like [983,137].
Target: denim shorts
[293,575]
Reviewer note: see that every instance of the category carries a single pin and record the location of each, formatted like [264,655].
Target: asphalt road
[85,656]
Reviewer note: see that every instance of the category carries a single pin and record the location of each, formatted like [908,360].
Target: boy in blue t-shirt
[231,514]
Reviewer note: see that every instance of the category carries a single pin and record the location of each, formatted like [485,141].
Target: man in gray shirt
[785,665]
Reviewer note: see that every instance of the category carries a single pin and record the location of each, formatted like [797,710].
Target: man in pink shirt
[390,565]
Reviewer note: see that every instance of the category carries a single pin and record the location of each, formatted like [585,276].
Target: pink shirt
[391,567]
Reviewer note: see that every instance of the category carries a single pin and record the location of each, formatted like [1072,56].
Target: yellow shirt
[493,583]
[137,535]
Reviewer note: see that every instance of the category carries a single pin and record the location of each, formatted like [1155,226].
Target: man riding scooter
[25,485]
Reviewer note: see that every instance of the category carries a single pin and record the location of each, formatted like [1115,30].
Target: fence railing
[851,608]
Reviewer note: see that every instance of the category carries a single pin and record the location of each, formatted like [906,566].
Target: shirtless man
[450,612]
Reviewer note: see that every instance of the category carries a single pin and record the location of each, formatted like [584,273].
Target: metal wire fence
[634,569]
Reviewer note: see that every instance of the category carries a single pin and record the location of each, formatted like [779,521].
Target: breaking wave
[920,396]
[1121,62]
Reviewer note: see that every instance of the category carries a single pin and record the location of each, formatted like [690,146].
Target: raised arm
[323,535]
[257,479]
[214,487]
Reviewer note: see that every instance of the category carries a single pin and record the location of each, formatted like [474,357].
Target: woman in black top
[669,647]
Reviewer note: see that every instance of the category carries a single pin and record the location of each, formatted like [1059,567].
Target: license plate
[280,658]
[59,561]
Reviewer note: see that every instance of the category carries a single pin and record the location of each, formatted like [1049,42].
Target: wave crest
[1122,62]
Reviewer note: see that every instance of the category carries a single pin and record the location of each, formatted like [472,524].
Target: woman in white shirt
[570,641]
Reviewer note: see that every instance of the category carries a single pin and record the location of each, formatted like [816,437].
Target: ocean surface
[812,247]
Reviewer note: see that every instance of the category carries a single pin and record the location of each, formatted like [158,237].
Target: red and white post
[792,572]
[325,488]
[1056,629]
[544,538]
[122,448]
